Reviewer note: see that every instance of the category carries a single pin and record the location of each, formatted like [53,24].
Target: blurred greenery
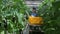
[50,10]
[13,11]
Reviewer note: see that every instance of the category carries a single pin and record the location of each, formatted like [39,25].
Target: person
[33,13]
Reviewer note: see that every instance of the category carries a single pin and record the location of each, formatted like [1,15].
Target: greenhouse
[29,16]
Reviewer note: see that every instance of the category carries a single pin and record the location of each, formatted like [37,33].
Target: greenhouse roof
[31,3]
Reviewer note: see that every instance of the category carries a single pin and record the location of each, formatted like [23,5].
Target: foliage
[13,11]
[49,10]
